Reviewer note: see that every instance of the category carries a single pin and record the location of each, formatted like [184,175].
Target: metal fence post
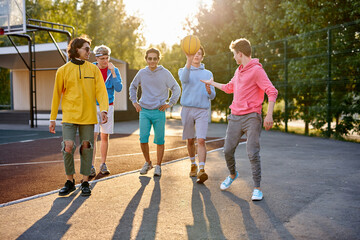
[286,85]
[329,50]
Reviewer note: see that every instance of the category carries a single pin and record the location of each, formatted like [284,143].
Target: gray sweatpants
[249,124]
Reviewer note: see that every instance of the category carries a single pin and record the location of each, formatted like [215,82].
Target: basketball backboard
[12,17]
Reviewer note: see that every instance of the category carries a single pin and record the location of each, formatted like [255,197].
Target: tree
[105,22]
[262,22]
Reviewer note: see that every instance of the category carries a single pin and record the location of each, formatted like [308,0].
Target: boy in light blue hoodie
[155,82]
[195,101]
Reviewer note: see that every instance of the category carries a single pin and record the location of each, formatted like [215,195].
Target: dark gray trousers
[249,124]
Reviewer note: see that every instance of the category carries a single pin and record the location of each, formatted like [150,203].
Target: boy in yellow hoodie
[78,84]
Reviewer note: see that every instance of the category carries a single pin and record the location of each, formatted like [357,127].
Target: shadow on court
[309,187]
[56,220]
[206,218]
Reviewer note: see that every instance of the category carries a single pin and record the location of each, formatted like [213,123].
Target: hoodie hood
[201,67]
[159,68]
[253,63]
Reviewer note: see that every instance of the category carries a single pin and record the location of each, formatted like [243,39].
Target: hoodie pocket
[241,105]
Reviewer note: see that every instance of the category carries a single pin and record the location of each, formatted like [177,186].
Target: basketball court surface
[309,187]
[32,160]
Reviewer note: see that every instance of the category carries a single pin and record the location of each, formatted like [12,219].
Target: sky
[164,19]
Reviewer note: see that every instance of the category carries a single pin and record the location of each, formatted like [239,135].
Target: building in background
[48,60]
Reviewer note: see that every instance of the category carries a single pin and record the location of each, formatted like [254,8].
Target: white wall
[44,89]
[121,97]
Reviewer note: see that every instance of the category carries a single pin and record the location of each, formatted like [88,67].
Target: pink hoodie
[248,86]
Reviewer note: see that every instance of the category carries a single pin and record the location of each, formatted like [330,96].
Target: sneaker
[85,189]
[68,188]
[228,181]
[147,166]
[201,176]
[157,171]
[103,169]
[257,195]
[93,172]
[193,171]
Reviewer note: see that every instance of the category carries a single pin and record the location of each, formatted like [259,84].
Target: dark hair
[152,50]
[75,44]
[241,45]
[202,50]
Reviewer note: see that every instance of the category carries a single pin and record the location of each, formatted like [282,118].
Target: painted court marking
[113,156]
[102,179]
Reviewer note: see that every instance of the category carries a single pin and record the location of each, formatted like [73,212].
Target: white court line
[113,156]
[98,180]
[29,140]
[15,136]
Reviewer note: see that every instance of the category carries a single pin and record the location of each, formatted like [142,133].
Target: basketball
[190,44]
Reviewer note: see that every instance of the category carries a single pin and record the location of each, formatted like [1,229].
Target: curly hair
[153,50]
[75,44]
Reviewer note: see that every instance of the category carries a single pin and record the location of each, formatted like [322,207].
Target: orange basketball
[190,44]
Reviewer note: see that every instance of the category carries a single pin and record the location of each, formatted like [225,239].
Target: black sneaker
[85,189]
[68,188]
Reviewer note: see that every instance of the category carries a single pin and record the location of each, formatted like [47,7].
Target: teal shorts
[155,118]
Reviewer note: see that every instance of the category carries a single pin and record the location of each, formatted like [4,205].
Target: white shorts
[194,118]
[108,127]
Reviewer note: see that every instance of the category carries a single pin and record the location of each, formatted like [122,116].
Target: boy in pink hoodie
[248,86]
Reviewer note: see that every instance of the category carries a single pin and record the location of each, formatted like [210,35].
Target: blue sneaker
[257,195]
[228,181]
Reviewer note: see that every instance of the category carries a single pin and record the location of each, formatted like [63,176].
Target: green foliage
[173,59]
[104,21]
[4,86]
[267,24]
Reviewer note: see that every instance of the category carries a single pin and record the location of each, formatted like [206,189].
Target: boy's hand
[52,126]
[208,89]
[268,122]
[209,82]
[137,107]
[164,107]
[104,117]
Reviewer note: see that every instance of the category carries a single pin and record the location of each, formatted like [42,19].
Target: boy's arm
[133,88]
[213,83]
[268,121]
[117,80]
[210,90]
[175,90]
[58,88]
[184,73]
[100,92]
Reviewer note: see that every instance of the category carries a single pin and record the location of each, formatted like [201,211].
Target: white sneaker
[257,195]
[147,166]
[103,169]
[157,171]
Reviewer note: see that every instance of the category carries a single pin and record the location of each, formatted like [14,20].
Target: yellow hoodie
[80,85]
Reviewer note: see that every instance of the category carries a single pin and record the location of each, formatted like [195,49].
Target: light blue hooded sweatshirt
[194,92]
[155,86]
